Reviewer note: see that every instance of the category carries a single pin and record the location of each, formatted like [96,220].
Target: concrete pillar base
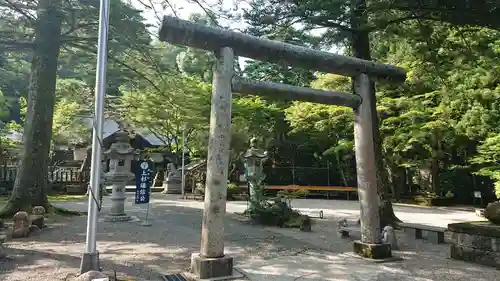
[372,251]
[205,268]
[90,262]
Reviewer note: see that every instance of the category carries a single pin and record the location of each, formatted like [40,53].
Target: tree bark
[435,176]
[360,44]
[32,175]
[398,181]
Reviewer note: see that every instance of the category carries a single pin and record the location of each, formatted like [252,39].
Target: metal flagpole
[90,259]
[183,182]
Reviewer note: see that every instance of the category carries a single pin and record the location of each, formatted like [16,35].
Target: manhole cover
[174,277]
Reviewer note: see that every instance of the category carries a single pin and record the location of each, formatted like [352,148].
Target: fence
[59,177]
[317,176]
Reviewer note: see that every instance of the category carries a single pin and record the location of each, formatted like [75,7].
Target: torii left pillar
[211,261]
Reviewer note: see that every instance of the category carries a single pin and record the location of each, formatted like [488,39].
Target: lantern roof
[253,151]
[121,146]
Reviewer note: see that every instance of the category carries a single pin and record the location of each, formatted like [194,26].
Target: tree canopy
[439,131]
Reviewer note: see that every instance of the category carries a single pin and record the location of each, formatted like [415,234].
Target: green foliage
[73,104]
[432,125]
[440,130]
[252,116]
[5,127]
[4,105]
[165,109]
[127,34]
[329,129]
[489,160]
[448,105]
[276,213]
[14,74]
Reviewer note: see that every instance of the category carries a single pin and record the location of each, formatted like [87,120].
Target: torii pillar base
[207,268]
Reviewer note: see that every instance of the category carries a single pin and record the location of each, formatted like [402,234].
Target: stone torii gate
[211,261]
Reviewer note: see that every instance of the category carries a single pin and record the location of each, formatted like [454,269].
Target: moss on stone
[372,251]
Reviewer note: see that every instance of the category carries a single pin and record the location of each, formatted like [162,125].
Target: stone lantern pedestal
[120,155]
[253,159]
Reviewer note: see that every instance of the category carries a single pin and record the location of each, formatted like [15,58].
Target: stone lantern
[120,156]
[253,159]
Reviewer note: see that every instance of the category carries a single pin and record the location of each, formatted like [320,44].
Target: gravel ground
[261,253]
[331,258]
[133,250]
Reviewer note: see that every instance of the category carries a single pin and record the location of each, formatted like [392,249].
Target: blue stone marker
[143,181]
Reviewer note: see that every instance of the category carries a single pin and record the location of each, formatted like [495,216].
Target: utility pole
[90,259]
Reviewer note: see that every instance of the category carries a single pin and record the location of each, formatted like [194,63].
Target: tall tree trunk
[32,176]
[435,176]
[341,169]
[437,155]
[360,44]
[398,179]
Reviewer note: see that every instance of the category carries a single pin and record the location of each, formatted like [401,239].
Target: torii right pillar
[370,245]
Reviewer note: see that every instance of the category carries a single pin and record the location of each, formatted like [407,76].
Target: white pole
[183,182]
[90,259]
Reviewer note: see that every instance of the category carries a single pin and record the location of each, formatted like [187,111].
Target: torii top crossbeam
[182,32]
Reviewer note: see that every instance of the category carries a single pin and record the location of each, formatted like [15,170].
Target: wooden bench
[326,189]
[434,234]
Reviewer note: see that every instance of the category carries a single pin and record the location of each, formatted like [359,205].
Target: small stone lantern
[120,156]
[253,159]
